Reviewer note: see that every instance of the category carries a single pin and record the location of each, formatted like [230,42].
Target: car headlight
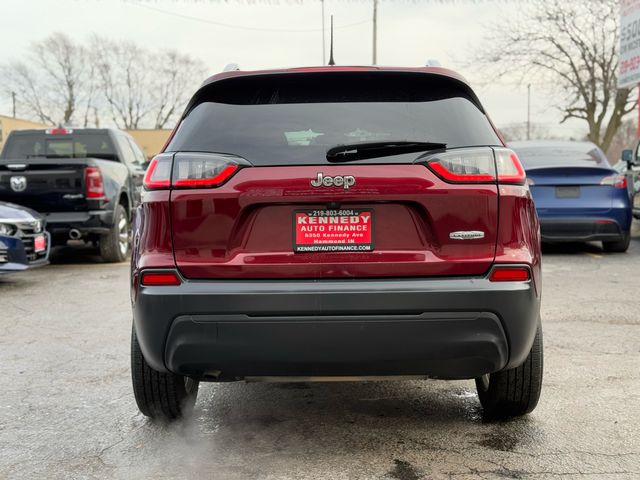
[36,226]
[7,229]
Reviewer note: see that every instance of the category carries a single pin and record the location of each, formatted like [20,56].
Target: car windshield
[295,119]
[561,156]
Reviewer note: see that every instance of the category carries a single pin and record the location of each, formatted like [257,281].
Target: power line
[239,27]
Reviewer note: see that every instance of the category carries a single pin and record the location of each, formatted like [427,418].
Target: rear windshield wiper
[362,151]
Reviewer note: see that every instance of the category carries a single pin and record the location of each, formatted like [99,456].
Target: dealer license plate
[343,230]
[40,243]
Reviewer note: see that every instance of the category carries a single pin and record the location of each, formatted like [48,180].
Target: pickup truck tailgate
[45,185]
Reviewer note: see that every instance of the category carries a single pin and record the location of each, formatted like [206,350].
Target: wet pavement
[67,410]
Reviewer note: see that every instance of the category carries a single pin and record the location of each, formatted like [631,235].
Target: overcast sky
[260,36]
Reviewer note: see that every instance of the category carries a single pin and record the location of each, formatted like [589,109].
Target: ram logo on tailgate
[18,184]
[346,181]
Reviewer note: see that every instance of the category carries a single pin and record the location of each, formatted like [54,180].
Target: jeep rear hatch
[257,191]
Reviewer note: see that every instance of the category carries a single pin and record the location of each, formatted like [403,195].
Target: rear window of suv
[293,119]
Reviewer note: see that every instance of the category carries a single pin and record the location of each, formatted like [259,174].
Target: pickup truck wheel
[516,391]
[114,246]
[160,396]
[620,246]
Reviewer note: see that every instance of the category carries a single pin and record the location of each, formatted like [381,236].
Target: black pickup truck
[85,181]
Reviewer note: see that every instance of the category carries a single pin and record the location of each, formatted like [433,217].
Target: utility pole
[324,54]
[13,99]
[375,32]
[529,112]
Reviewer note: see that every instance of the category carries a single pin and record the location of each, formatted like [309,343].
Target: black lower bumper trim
[96,222]
[453,328]
[579,230]
[443,345]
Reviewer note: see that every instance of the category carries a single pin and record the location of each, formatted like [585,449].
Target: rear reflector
[160,279]
[616,181]
[510,274]
[93,183]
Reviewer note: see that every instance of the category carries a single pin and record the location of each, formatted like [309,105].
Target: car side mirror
[631,157]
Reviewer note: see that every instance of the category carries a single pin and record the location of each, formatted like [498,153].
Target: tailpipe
[75,234]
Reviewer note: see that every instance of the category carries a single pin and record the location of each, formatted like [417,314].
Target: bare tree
[93,98]
[51,84]
[176,76]
[518,131]
[124,72]
[19,78]
[142,87]
[572,47]
[625,137]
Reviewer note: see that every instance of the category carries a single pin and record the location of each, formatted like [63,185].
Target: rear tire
[620,246]
[159,395]
[516,391]
[115,245]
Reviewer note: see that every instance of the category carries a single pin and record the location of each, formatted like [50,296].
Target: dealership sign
[629,64]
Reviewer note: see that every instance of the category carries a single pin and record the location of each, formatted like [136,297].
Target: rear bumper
[225,330]
[580,229]
[96,221]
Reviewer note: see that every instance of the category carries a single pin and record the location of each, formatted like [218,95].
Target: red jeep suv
[335,223]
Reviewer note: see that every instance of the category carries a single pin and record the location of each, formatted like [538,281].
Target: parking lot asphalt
[67,409]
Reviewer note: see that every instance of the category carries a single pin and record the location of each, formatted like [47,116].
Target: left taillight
[191,170]
[94,185]
[616,181]
[158,174]
[478,165]
[198,170]
[465,166]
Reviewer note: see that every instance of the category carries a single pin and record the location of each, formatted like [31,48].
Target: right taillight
[94,185]
[478,165]
[191,170]
[616,181]
[508,167]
